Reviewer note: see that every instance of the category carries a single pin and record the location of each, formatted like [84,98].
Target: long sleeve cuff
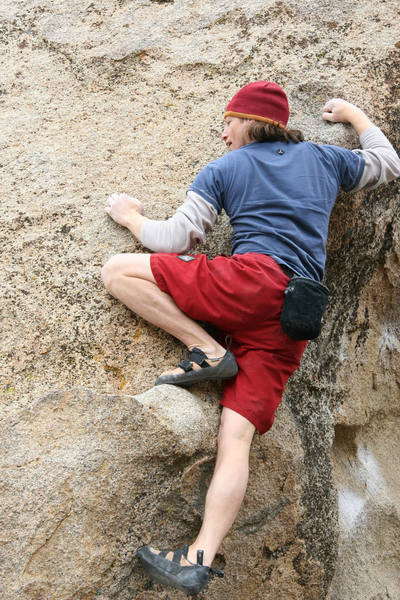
[382,163]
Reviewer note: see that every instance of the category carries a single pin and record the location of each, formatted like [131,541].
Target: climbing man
[278,192]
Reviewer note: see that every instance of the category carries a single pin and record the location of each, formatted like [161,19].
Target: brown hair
[265,132]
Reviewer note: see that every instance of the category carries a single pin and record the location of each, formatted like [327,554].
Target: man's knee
[121,266]
[111,271]
[234,428]
[127,265]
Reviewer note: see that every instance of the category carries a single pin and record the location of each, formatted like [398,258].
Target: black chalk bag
[303,308]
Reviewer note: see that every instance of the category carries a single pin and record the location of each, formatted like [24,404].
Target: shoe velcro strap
[186,365]
[196,355]
[217,572]
[177,556]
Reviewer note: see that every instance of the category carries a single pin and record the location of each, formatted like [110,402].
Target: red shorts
[242,296]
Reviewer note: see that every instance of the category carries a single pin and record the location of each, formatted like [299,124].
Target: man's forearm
[382,163]
[359,120]
[135,223]
[186,228]
[179,233]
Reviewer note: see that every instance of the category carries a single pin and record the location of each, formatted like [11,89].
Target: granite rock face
[91,477]
[128,96]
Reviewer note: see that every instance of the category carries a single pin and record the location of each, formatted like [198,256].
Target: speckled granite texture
[128,96]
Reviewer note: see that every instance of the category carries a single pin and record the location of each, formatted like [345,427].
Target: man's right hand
[121,207]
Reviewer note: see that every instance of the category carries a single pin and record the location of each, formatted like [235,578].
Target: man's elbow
[172,246]
[396,167]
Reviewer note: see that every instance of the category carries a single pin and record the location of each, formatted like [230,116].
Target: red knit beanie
[262,101]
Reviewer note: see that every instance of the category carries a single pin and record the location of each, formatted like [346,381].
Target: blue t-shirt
[279,198]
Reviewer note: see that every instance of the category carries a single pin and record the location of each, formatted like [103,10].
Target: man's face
[235,133]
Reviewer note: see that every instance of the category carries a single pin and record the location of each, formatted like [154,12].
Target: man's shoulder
[328,148]
[331,153]
[226,161]
[347,164]
[265,150]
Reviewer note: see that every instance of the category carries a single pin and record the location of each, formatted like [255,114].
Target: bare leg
[228,484]
[129,278]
